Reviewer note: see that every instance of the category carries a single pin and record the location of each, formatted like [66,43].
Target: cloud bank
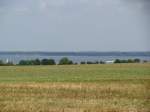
[74,25]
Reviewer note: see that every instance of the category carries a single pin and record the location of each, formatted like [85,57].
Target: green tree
[48,62]
[102,62]
[82,62]
[22,62]
[137,60]
[117,61]
[65,61]
[1,63]
[37,62]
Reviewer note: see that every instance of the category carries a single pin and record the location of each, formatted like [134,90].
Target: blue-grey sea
[77,57]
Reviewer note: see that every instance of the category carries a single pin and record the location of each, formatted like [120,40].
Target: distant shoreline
[42,53]
[77,57]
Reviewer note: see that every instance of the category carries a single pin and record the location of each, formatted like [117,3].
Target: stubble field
[75,88]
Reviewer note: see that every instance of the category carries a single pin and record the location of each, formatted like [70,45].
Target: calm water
[15,57]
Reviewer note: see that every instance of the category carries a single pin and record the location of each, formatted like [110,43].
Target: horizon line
[69,51]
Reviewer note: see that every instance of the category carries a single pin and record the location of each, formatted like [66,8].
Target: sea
[76,57]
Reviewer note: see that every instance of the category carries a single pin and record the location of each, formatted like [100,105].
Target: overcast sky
[74,25]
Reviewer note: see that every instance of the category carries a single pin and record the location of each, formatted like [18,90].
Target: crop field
[75,88]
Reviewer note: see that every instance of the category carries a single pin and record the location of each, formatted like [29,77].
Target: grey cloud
[74,25]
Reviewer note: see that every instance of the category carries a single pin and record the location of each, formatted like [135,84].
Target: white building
[109,62]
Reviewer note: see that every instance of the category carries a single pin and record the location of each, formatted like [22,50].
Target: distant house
[109,62]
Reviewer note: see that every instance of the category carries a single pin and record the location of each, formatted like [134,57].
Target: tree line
[64,61]
[127,61]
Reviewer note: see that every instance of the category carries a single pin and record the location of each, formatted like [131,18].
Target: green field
[75,88]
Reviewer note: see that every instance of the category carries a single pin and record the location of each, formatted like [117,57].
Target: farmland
[75,88]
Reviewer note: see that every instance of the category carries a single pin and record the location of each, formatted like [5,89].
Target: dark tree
[1,63]
[83,62]
[65,61]
[89,62]
[52,62]
[137,60]
[102,62]
[22,62]
[48,62]
[117,61]
[37,62]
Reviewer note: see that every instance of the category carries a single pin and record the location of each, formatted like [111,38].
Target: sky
[74,25]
